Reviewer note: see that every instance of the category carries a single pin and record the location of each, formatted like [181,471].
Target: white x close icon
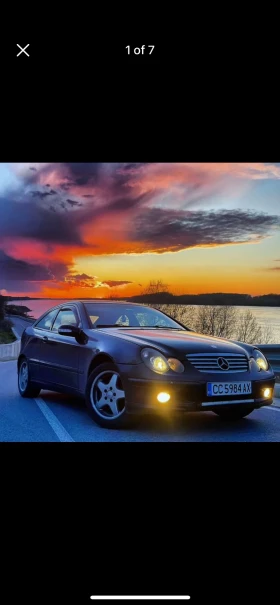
[23,50]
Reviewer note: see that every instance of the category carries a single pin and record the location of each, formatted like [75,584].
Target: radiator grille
[221,363]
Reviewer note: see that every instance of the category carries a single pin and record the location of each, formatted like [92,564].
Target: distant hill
[216,298]
[219,298]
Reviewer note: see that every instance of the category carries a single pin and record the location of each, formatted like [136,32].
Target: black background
[87,519]
[82,519]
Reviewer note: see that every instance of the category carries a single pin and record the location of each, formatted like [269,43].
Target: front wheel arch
[98,360]
[19,360]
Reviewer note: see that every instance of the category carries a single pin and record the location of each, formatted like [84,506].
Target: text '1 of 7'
[140,50]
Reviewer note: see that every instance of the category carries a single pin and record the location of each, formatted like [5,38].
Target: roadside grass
[7,337]
[6,333]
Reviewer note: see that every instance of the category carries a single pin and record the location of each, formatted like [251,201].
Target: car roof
[109,302]
[98,301]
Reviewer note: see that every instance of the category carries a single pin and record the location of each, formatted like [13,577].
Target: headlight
[261,360]
[158,363]
[175,365]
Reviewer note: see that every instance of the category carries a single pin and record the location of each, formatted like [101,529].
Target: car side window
[65,316]
[46,322]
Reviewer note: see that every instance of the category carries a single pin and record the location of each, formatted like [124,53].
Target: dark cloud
[135,166]
[57,270]
[34,169]
[83,173]
[164,229]
[126,203]
[111,182]
[81,279]
[73,203]
[14,273]
[14,269]
[112,284]
[40,194]
[274,269]
[29,219]
[114,183]
[86,173]
[79,276]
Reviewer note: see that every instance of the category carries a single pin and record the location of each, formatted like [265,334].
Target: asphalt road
[19,324]
[54,417]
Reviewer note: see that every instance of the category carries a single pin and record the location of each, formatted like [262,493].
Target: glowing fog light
[267,393]
[163,397]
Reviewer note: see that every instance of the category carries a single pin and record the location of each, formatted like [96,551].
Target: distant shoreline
[266,300]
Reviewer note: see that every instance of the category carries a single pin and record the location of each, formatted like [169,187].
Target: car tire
[234,413]
[103,397]
[25,386]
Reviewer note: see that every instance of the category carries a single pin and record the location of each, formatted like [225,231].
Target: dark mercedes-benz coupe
[128,358]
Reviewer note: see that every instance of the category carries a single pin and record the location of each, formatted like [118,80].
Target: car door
[57,357]
[37,352]
[62,352]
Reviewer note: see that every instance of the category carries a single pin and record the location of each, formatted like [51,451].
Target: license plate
[217,389]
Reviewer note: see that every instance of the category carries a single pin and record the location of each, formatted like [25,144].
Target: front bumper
[141,394]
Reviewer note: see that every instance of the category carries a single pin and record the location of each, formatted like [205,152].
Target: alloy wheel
[23,376]
[107,395]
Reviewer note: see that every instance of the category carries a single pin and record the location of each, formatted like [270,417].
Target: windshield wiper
[112,326]
[138,327]
[164,327]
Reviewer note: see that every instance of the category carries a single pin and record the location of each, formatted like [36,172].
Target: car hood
[179,341]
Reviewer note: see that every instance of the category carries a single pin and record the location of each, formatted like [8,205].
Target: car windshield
[119,315]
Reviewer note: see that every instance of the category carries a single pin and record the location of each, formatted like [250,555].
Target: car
[127,359]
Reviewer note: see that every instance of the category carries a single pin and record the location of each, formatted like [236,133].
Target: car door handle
[45,339]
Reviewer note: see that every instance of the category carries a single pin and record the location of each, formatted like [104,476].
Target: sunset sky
[96,230]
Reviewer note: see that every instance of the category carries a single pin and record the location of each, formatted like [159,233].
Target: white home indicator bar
[140,598]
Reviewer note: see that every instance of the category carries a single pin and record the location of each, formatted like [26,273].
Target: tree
[216,320]
[185,314]
[248,330]
[155,287]
[114,294]
[220,321]
[266,336]
[2,304]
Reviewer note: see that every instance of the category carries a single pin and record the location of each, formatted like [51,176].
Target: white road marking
[140,598]
[53,421]
[16,333]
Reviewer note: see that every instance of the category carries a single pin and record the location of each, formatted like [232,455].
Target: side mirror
[68,330]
